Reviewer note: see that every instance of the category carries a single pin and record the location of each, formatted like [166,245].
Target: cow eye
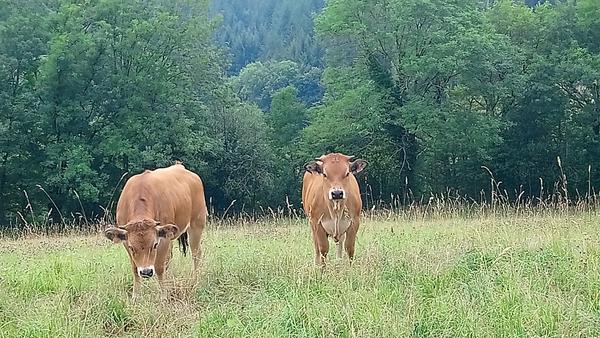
[324,175]
[348,173]
[155,245]
[131,248]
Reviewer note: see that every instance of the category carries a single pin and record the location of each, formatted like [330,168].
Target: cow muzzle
[146,272]
[337,194]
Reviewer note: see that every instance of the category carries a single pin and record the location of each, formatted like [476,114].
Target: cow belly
[329,226]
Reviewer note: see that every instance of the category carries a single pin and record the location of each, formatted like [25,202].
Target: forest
[441,97]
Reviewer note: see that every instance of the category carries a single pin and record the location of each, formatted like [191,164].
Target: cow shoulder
[354,198]
[313,197]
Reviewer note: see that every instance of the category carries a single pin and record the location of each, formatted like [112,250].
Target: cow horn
[351,158]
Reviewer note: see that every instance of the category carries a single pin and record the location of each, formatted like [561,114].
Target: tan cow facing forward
[154,208]
[331,200]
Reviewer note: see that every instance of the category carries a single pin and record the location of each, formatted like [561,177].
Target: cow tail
[183,242]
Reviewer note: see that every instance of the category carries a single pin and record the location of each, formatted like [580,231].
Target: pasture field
[509,276]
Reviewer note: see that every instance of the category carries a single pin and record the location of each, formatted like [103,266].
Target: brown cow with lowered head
[154,208]
[331,200]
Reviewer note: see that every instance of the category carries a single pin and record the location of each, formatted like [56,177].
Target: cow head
[141,240]
[336,170]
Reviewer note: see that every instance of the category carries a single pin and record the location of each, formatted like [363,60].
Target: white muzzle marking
[146,271]
[337,194]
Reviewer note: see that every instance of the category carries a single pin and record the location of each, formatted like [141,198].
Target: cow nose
[337,194]
[147,272]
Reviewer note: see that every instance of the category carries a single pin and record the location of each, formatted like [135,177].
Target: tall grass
[450,204]
[486,275]
[557,198]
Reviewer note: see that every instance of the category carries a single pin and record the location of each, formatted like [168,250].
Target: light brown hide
[338,219]
[154,208]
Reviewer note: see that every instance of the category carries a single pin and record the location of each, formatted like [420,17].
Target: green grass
[488,277]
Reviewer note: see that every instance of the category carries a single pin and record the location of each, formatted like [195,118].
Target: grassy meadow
[503,276]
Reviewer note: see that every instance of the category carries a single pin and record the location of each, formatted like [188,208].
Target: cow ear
[358,166]
[115,234]
[314,167]
[167,231]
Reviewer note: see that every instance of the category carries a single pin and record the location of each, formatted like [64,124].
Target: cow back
[168,195]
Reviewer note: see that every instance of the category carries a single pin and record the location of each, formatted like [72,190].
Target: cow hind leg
[321,244]
[195,237]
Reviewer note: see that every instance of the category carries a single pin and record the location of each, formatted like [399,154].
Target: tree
[555,113]
[441,102]
[258,82]
[287,115]
[261,30]
[23,41]
[100,89]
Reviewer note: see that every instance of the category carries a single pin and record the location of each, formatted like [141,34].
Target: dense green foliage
[427,92]
[258,82]
[260,30]
[432,91]
[95,90]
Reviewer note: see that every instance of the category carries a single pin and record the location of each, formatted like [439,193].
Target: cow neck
[336,212]
[142,209]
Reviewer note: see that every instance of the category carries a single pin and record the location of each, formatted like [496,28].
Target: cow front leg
[162,284]
[163,258]
[340,246]
[135,294]
[321,243]
[351,239]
